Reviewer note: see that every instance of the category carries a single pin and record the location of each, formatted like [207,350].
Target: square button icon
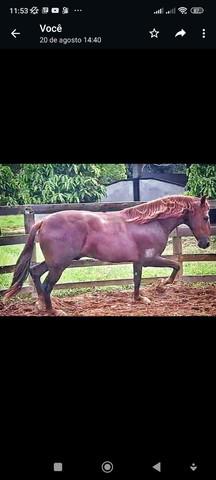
[57,467]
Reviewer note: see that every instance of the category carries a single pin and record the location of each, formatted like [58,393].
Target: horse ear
[202,201]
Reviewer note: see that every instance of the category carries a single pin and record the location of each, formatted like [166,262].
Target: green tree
[15,167]
[9,186]
[50,183]
[111,172]
[201,180]
[59,183]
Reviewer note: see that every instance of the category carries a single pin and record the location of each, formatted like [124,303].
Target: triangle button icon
[157,467]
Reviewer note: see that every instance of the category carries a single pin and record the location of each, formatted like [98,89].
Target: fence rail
[29,212]
[58,207]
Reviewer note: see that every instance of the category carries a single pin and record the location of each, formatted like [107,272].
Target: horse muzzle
[203,243]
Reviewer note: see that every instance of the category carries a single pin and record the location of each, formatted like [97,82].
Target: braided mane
[172,206]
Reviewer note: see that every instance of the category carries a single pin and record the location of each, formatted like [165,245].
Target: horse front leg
[137,273]
[166,262]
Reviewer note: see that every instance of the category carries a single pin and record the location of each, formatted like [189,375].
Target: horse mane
[172,206]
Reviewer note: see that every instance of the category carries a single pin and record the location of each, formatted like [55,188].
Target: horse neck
[170,224]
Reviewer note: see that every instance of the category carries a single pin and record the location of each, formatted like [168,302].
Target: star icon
[154,33]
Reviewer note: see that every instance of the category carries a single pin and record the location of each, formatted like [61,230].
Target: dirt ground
[173,300]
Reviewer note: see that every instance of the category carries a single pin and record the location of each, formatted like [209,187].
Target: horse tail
[23,263]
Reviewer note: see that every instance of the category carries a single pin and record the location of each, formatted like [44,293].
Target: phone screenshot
[107,238]
[108,243]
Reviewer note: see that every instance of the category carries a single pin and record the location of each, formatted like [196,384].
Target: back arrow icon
[157,467]
[14,33]
[181,32]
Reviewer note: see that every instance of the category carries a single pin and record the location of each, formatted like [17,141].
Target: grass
[10,254]
[11,222]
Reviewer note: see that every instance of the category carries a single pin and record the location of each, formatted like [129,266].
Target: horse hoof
[168,282]
[40,306]
[137,299]
[143,299]
[161,282]
[160,289]
[146,300]
[160,285]
[59,313]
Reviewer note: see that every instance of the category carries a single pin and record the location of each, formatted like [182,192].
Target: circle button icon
[107,467]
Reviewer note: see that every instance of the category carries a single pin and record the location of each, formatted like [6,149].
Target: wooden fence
[29,219]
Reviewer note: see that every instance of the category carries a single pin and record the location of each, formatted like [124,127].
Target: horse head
[199,222]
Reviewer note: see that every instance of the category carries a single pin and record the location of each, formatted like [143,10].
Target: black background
[84,391]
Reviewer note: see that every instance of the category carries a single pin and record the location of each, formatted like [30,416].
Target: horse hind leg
[48,284]
[36,272]
[165,262]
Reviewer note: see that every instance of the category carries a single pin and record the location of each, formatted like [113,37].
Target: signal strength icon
[172,11]
[159,12]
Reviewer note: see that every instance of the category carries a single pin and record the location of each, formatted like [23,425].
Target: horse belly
[114,248]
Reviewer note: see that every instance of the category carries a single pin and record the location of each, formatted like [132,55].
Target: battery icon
[197,10]
[55,10]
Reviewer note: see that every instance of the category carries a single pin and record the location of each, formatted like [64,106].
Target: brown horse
[138,234]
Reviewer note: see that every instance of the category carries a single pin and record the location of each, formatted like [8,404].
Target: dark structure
[143,171]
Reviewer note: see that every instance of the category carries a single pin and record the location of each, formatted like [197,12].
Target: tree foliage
[201,180]
[50,183]
[111,172]
[57,183]
[9,186]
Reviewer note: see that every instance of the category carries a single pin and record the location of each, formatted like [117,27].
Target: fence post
[136,198]
[29,220]
[177,251]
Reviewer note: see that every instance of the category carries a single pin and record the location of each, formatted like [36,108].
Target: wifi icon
[182,10]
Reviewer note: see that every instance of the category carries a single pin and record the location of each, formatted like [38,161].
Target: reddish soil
[173,300]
